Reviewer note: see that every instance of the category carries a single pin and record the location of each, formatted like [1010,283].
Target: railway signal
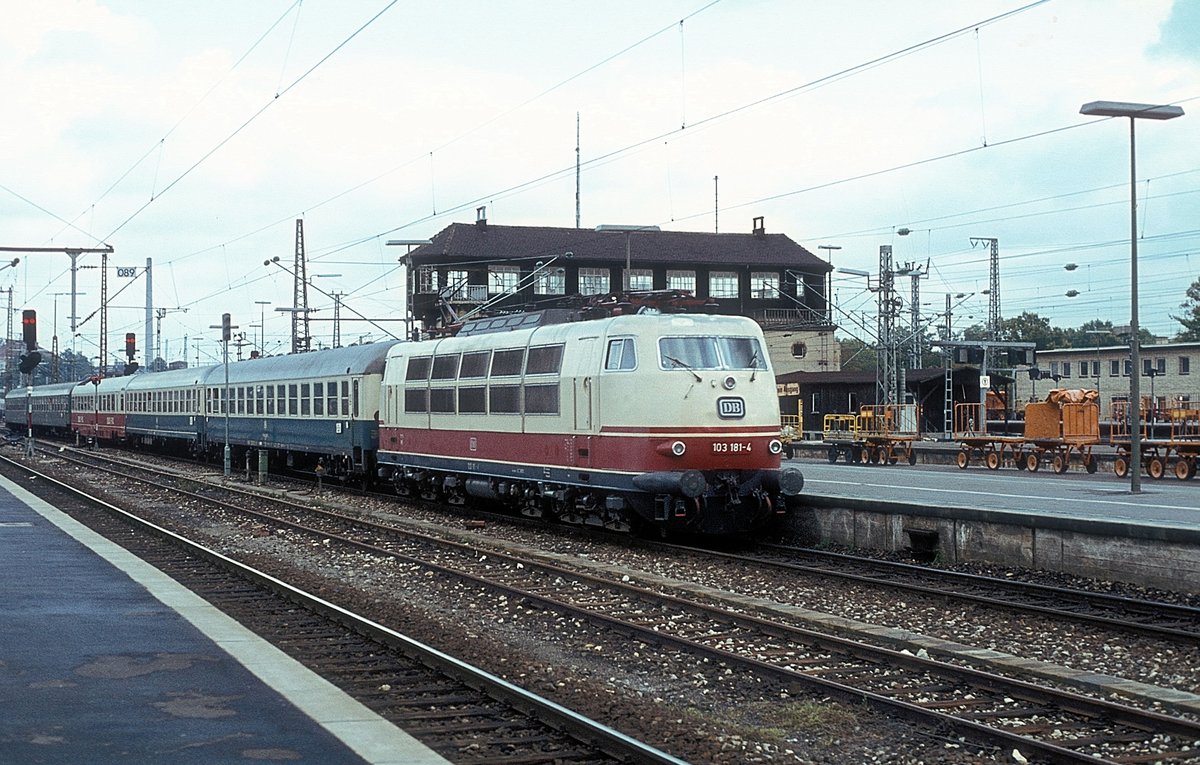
[29,332]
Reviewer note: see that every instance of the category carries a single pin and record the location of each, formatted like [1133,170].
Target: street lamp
[1134,112]
[262,323]
[629,231]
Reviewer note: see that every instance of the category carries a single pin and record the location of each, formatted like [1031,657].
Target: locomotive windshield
[710,353]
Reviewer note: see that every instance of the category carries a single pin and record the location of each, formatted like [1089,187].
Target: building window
[639,278]
[1128,367]
[723,284]
[1083,369]
[1066,369]
[456,284]
[1054,369]
[551,281]
[681,280]
[1114,367]
[1160,366]
[593,281]
[503,279]
[799,350]
[1185,365]
[764,285]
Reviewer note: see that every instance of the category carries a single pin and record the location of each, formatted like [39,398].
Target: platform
[104,659]
[1087,525]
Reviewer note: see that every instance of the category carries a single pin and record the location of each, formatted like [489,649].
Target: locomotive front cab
[695,403]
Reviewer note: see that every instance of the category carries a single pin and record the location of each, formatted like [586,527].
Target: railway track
[465,714]
[1043,723]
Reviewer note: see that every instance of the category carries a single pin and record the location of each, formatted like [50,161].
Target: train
[640,422]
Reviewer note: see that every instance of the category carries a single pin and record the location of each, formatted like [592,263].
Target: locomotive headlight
[729,383]
[671,448]
[775,447]
[678,448]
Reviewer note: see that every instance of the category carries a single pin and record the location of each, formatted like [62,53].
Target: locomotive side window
[620,354]
[445,367]
[508,363]
[441,400]
[544,360]
[504,399]
[418,368]
[474,364]
[416,400]
[472,400]
[541,399]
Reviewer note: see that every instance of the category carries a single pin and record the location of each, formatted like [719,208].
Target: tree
[1026,328]
[857,356]
[1191,319]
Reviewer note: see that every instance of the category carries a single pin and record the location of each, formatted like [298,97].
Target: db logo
[731,408]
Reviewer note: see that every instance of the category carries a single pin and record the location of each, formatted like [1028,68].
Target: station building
[1170,374]
[767,277]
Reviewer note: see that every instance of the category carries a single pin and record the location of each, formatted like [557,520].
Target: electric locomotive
[666,421]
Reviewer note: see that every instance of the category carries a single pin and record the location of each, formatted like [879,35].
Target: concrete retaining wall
[1152,557]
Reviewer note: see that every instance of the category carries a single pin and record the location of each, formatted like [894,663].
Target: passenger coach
[310,408]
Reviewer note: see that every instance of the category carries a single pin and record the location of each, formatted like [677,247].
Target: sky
[196,134]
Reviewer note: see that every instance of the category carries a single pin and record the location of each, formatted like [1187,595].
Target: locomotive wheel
[833,454]
[962,458]
[1183,469]
[1032,462]
[992,459]
[1156,468]
[1090,465]
[1121,466]
[1060,463]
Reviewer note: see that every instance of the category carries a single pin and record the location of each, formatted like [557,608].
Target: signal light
[130,345]
[226,327]
[29,328]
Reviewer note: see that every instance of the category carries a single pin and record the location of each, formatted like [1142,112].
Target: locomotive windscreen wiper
[679,363]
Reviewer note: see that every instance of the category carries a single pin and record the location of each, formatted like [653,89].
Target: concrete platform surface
[103,659]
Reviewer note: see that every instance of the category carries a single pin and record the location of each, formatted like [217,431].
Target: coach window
[319,399]
[280,400]
[508,363]
[260,395]
[474,365]
[354,399]
[305,399]
[445,367]
[620,355]
[270,399]
[345,398]
[293,405]
[331,406]
[544,360]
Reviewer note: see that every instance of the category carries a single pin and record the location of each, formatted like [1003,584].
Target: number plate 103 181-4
[731,447]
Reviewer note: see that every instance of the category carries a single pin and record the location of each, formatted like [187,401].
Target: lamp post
[1098,334]
[629,231]
[1134,112]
